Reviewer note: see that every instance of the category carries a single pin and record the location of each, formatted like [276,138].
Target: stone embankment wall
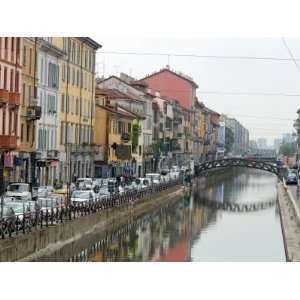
[41,241]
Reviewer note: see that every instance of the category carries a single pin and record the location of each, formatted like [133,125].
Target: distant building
[241,136]
[277,144]
[262,143]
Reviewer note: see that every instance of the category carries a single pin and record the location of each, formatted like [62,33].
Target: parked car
[43,192]
[291,178]
[84,183]
[80,196]
[155,178]
[21,191]
[142,183]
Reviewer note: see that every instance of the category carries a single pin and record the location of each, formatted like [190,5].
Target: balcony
[8,142]
[14,99]
[85,148]
[125,137]
[4,96]
[34,112]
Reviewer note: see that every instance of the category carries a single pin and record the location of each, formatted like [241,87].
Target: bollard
[46,217]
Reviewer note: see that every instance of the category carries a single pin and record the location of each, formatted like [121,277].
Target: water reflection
[188,231]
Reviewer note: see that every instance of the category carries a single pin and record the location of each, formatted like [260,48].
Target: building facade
[10,89]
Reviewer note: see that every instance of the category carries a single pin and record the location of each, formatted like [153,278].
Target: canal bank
[41,243]
[290,222]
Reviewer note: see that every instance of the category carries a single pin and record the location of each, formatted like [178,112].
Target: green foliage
[288,149]
[136,132]
[229,139]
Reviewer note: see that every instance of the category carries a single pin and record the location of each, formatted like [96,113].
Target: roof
[211,111]
[117,111]
[115,94]
[113,76]
[91,42]
[180,75]
[139,116]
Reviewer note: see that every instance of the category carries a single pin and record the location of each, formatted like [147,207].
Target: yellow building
[77,107]
[113,131]
[30,111]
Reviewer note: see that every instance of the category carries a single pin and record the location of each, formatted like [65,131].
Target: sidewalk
[292,193]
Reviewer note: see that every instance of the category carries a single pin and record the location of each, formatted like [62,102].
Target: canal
[190,230]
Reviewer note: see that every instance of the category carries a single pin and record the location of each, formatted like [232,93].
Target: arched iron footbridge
[237,162]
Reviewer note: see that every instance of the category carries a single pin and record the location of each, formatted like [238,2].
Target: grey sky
[262,115]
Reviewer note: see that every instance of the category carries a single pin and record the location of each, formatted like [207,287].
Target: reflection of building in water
[219,197]
[144,241]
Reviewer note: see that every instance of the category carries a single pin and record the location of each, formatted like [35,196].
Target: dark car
[291,178]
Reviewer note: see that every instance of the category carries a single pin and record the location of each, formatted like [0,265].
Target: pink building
[173,85]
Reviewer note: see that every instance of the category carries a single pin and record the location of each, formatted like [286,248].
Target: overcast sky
[264,115]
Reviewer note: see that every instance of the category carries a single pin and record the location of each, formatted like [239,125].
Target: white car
[142,183]
[80,196]
[155,178]
[85,183]
[20,191]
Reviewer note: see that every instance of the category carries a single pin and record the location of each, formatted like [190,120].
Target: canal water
[191,230]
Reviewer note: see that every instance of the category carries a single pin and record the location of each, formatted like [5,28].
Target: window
[5,78]
[27,133]
[53,75]
[67,104]
[24,56]
[24,94]
[63,72]
[11,80]
[6,48]
[12,58]
[4,122]
[73,77]
[62,133]
[30,59]
[22,129]
[77,106]
[17,82]
[51,101]
[18,48]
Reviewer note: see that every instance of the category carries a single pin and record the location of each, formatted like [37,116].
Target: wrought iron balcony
[34,112]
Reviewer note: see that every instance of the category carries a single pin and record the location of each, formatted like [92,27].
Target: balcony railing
[34,112]
[14,98]
[8,142]
[85,148]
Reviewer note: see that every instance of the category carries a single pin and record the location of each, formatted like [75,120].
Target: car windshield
[19,188]
[80,194]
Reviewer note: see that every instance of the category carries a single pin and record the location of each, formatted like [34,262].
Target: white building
[48,98]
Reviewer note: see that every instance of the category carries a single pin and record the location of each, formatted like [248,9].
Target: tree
[229,139]
[288,149]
